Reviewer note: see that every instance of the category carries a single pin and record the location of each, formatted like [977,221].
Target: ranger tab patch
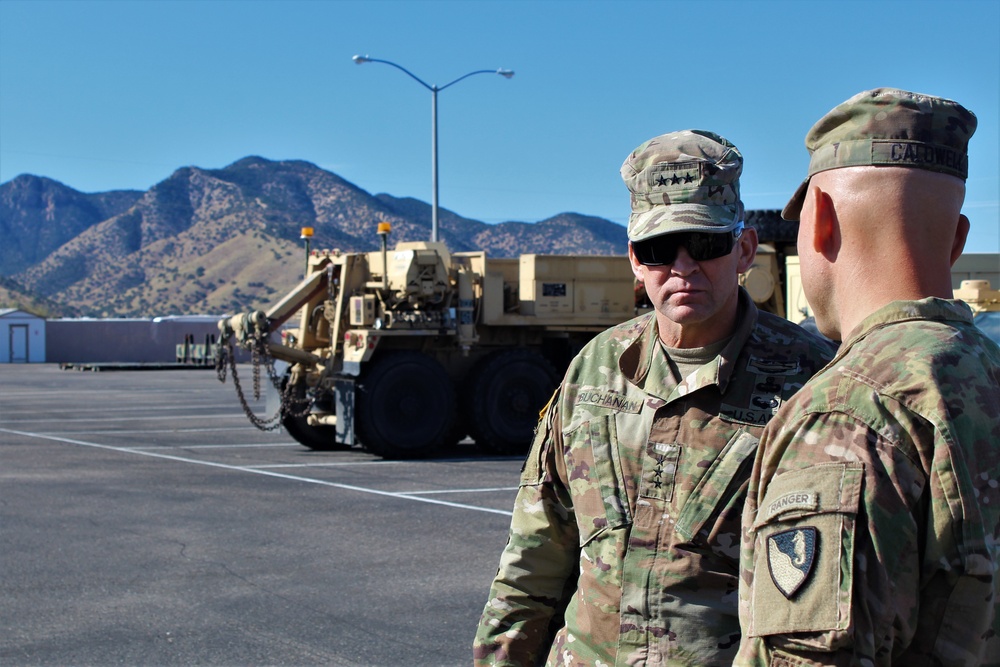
[790,557]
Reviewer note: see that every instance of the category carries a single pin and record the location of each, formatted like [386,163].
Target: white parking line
[256,471]
[246,446]
[50,392]
[336,464]
[146,431]
[120,408]
[376,462]
[496,488]
[228,415]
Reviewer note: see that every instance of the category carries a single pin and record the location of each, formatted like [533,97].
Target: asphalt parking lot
[146,522]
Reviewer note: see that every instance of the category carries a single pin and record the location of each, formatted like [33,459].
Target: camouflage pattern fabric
[687,181]
[624,544]
[872,524]
[889,128]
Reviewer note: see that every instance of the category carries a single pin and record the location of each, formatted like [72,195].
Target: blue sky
[117,95]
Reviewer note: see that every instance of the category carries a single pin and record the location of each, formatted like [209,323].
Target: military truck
[985,304]
[406,351]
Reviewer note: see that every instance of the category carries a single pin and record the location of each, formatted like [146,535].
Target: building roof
[7,312]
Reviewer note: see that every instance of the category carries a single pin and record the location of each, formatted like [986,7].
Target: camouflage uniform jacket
[872,524]
[624,543]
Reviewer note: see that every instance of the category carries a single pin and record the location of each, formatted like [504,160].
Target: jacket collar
[636,362]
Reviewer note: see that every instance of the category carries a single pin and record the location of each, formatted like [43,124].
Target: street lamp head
[505,73]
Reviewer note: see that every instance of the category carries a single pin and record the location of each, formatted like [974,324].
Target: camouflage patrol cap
[892,128]
[683,182]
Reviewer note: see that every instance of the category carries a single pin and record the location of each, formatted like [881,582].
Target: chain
[225,357]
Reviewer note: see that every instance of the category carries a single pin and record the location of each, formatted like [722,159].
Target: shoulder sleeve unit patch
[790,557]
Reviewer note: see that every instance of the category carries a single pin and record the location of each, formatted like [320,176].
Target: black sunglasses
[701,246]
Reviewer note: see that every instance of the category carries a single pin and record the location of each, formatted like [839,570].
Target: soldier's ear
[636,266]
[747,244]
[826,225]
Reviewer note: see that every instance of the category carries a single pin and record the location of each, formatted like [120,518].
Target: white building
[22,337]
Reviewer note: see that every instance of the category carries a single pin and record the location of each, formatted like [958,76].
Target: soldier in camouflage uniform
[624,544]
[872,525]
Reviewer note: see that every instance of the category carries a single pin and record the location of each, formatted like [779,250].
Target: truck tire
[319,438]
[405,406]
[506,393]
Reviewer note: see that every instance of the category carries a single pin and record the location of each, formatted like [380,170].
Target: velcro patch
[610,400]
[796,500]
[772,366]
[674,175]
[919,154]
[790,557]
[734,413]
[658,470]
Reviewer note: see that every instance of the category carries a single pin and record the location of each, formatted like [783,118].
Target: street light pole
[506,73]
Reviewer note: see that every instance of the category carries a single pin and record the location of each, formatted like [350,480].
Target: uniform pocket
[804,555]
[711,490]
[595,477]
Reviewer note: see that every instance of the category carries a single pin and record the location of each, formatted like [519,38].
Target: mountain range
[212,241]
